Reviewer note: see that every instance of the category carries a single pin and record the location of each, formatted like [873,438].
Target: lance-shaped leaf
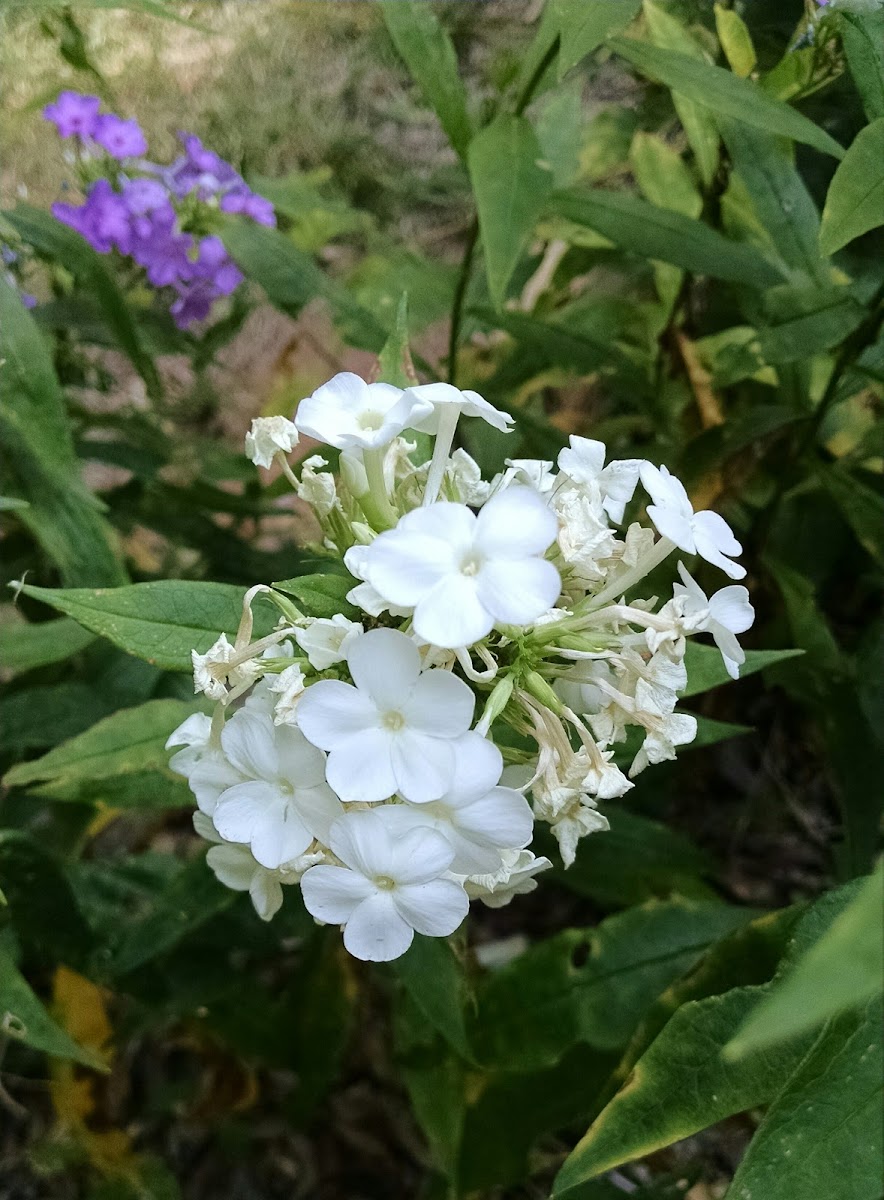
[161,622]
[429,54]
[26,646]
[131,740]
[855,203]
[511,187]
[863,37]
[724,93]
[585,24]
[706,669]
[659,233]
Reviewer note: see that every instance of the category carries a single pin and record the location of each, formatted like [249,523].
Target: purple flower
[73,115]
[161,249]
[242,199]
[120,138]
[200,170]
[194,302]
[214,263]
[28,300]
[103,220]
[144,196]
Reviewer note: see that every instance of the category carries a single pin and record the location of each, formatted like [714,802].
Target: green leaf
[560,123]
[831,316]
[855,201]
[41,902]
[511,188]
[736,40]
[160,622]
[190,899]
[292,279]
[584,24]
[434,978]
[58,243]
[24,1019]
[429,54]
[668,32]
[660,233]
[706,669]
[861,506]
[663,175]
[679,1086]
[44,715]
[394,361]
[842,970]
[12,504]
[129,741]
[593,985]
[322,595]
[822,1135]
[862,35]
[157,789]
[710,732]
[39,458]
[724,93]
[26,646]
[779,196]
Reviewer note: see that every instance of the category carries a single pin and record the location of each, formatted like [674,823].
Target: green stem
[376,503]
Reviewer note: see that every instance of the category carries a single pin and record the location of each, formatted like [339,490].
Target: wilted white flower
[465,479]
[387,887]
[268,437]
[584,463]
[514,877]
[725,614]
[325,640]
[395,730]
[578,819]
[585,538]
[289,686]
[462,572]
[351,414]
[317,486]
[705,533]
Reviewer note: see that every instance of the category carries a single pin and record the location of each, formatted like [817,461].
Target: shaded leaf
[510,188]
[855,201]
[429,54]
[724,93]
[434,978]
[160,622]
[26,646]
[584,26]
[862,35]
[41,902]
[706,669]
[322,595]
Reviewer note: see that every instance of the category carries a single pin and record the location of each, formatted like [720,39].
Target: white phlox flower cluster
[496,666]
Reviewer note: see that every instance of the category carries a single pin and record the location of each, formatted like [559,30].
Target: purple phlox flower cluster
[142,213]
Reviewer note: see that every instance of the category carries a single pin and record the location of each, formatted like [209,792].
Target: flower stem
[448,417]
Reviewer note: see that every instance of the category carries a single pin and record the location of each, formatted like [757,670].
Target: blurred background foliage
[633,240]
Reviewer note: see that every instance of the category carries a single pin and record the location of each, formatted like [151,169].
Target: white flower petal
[211,776]
[452,615]
[715,540]
[362,840]
[331,712]
[318,807]
[300,763]
[478,765]
[518,591]
[331,894]
[673,525]
[514,524]
[730,607]
[248,741]
[376,932]
[665,489]
[266,894]
[385,665]
[434,909]
[360,768]
[423,766]
[403,566]
[234,866]
[440,704]
[502,818]
[419,856]
[244,807]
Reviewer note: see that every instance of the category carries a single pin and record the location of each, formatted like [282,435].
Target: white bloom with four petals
[463,573]
[350,414]
[325,640]
[387,887]
[395,728]
[583,461]
[724,615]
[705,533]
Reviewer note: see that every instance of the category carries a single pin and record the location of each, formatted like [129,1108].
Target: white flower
[535,473]
[237,868]
[267,437]
[212,673]
[351,414]
[671,730]
[387,888]
[724,615]
[283,802]
[465,479]
[397,730]
[585,539]
[364,596]
[289,686]
[445,399]
[317,486]
[325,640]
[584,463]
[477,817]
[579,687]
[577,820]
[193,733]
[514,877]
[202,763]
[705,533]
[462,572]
